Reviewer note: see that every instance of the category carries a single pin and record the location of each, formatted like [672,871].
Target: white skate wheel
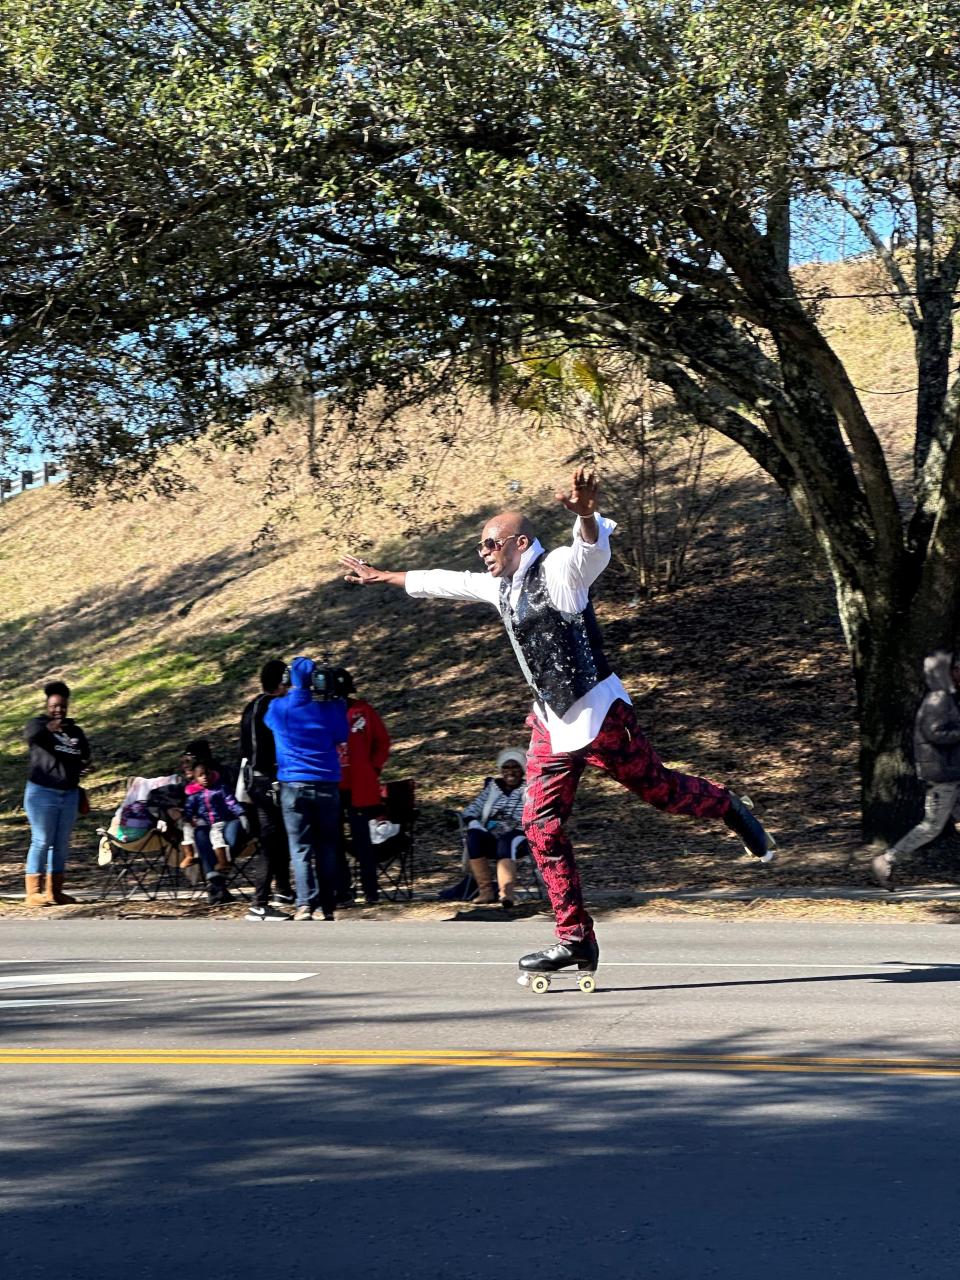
[540,984]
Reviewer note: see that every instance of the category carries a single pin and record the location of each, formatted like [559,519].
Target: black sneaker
[267,913]
[282,899]
[755,839]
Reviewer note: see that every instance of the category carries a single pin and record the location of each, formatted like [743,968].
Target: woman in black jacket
[58,755]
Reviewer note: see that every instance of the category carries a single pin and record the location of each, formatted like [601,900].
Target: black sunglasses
[494,544]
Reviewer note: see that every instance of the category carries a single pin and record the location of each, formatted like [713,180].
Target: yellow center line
[543,1058]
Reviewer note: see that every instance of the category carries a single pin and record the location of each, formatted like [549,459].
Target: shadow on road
[349,1173]
[910,973]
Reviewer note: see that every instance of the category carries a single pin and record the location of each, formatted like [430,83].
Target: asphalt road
[382,1100]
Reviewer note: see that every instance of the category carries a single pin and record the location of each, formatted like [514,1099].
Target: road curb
[635,897]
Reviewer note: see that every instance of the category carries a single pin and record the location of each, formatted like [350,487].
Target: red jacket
[366,753]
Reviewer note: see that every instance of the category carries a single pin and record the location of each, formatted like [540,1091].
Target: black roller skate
[537,969]
[756,840]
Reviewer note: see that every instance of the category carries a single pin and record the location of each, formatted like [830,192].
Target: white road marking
[173,975]
[32,1004]
[95,977]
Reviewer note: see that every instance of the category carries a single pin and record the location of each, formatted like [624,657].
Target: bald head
[507,523]
[504,539]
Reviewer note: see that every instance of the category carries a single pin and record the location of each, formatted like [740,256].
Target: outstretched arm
[362,573]
[440,584]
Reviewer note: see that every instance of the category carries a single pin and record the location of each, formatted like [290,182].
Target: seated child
[208,807]
[494,828]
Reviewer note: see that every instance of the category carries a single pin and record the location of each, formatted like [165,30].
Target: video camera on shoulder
[327,682]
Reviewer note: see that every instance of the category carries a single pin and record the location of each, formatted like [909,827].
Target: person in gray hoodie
[936,750]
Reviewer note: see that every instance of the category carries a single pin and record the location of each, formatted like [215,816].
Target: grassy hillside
[159,614]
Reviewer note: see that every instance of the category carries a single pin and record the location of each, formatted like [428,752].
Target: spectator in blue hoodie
[306,731]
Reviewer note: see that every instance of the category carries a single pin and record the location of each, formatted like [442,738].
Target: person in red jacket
[361,761]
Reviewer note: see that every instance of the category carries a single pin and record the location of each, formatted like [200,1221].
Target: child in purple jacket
[209,804]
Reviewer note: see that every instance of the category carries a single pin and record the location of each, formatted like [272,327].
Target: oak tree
[205,200]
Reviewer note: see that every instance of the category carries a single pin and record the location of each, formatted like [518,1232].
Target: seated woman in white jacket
[494,828]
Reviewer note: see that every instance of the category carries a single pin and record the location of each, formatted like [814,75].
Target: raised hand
[582,496]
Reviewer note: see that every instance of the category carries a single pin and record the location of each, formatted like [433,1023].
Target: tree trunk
[933,346]
[887,639]
[889,684]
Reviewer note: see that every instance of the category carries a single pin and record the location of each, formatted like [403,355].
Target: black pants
[484,844]
[358,819]
[273,862]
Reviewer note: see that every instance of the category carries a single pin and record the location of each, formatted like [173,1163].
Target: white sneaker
[882,868]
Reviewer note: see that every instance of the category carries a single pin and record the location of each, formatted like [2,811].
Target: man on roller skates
[581,713]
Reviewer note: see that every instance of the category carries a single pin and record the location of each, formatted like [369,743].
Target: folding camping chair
[145,860]
[240,876]
[528,885]
[150,865]
[395,855]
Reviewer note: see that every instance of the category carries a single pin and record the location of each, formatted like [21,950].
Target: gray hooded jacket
[936,731]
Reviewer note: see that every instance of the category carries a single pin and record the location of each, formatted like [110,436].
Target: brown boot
[480,870]
[55,895]
[34,895]
[506,879]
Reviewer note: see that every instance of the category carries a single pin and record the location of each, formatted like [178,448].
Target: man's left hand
[582,497]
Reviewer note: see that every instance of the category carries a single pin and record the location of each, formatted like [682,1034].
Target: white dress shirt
[569,573]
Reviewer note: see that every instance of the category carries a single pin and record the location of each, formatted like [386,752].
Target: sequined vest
[560,654]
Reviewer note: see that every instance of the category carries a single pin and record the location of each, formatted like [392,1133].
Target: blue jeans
[311,815]
[201,839]
[52,814]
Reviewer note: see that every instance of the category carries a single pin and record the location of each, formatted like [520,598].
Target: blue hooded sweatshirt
[307,731]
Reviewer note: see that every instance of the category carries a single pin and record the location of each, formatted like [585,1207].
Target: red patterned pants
[622,750]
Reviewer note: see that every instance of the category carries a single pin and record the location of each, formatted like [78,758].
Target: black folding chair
[149,865]
[240,877]
[394,856]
